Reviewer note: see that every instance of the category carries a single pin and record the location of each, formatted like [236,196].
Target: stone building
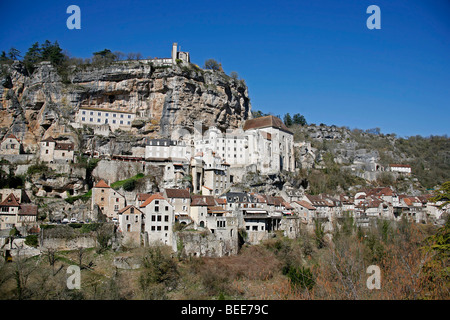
[180,199]
[131,224]
[54,151]
[159,217]
[95,116]
[108,200]
[16,214]
[10,145]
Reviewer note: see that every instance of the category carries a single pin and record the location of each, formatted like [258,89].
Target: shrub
[300,277]
[31,240]
[129,185]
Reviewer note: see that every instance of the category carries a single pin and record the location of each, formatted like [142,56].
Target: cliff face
[162,98]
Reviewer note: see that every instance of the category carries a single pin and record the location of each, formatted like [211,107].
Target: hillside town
[199,200]
[214,163]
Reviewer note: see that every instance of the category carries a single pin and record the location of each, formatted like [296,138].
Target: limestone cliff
[45,102]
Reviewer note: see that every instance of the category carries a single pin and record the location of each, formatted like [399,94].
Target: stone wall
[204,244]
[64,237]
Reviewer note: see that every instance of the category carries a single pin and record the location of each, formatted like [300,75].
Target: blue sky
[316,58]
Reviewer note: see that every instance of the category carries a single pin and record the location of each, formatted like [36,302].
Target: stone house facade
[53,151]
[108,200]
[158,219]
[10,145]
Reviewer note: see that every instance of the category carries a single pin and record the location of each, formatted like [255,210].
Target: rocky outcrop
[44,103]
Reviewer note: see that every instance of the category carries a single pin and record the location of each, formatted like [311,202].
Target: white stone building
[158,220]
[97,117]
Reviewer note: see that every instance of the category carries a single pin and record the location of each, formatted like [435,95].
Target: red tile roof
[28,210]
[10,201]
[305,204]
[10,136]
[153,197]
[266,122]
[178,193]
[101,184]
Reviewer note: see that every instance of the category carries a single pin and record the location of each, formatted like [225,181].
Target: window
[127,217]
[158,218]
[116,207]
[158,228]
[166,228]
[153,218]
[131,210]
[136,218]
[166,208]
[153,228]
[166,218]
[156,209]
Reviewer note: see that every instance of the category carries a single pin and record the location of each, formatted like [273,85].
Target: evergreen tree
[287,120]
[299,119]
[14,54]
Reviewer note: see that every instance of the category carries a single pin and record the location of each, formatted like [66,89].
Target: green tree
[258,114]
[104,56]
[32,56]
[442,194]
[14,54]
[52,52]
[299,119]
[288,120]
[212,64]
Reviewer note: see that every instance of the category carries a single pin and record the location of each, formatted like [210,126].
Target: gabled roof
[28,209]
[178,193]
[10,201]
[287,205]
[10,136]
[101,184]
[305,204]
[49,139]
[128,207]
[266,122]
[143,196]
[153,197]
[200,200]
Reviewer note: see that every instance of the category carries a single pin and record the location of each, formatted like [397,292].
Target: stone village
[200,207]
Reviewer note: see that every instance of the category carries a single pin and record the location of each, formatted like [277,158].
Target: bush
[38,168]
[129,185]
[300,277]
[31,240]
